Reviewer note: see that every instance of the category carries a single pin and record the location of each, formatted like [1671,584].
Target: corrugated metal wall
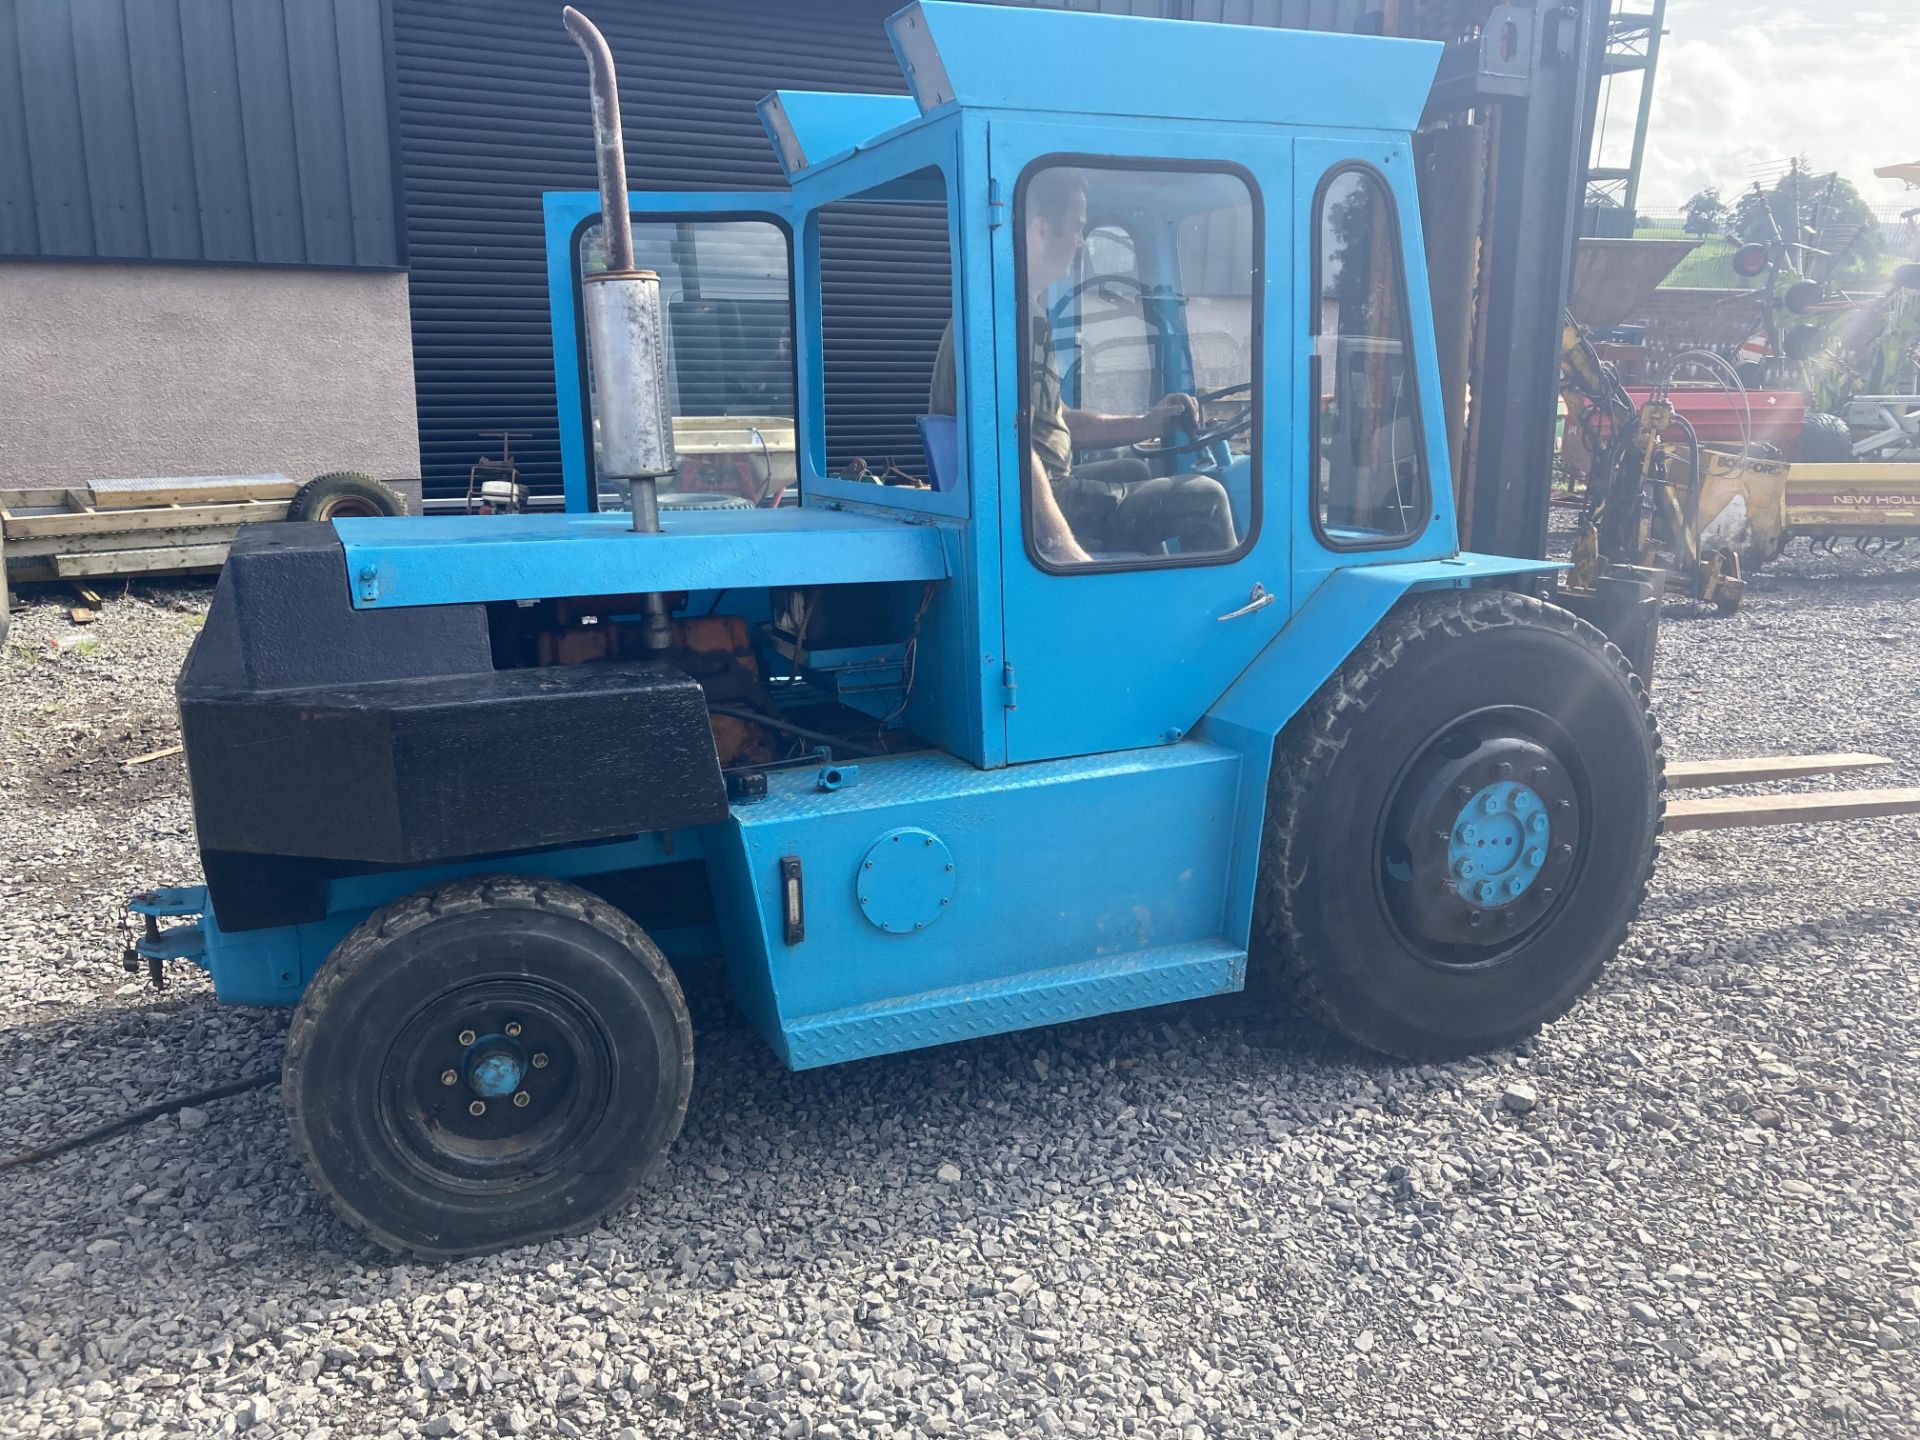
[492,111]
[231,131]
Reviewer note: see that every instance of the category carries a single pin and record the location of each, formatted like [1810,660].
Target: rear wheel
[344,494]
[1461,825]
[487,1063]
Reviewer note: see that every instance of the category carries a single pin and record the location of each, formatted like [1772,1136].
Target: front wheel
[487,1063]
[1461,825]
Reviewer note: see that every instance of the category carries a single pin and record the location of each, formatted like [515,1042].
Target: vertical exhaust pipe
[626,338]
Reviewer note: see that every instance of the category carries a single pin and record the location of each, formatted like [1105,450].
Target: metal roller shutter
[492,110]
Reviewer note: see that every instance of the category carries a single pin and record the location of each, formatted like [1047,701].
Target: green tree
[1706,212]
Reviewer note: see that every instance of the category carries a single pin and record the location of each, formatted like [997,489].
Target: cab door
[1129,646]
[725,262]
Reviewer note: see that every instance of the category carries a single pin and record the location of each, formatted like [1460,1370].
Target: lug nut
[1539,822]
[478,1107]
[1536,858]
[467,1037]
[1503,770]
[512,1027]
[1565,851]
[449,1077]
[1492,805]
[1463,794]
[521,1100]
[1475,918]
[1540,772]
[540,1060]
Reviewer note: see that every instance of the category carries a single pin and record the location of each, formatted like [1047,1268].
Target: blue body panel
[1078,886]
[811,127]
[457,559]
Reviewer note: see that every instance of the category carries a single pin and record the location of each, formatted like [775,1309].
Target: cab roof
[960,55]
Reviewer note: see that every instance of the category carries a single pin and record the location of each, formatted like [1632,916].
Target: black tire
[1360,918]
[600,1043]
[1825,439]
[343,493]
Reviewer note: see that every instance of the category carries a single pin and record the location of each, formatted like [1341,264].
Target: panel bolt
[949,868]
[943,899]
[919,924]
[540,1060]
[929,840]
[449,1077]
[868,865]
[522,1100]
[478,1107]
[512,1028]
[467,1037]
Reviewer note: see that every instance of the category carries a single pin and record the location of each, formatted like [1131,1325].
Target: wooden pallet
[142,526]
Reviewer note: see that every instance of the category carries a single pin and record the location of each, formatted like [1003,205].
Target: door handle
[1258,600]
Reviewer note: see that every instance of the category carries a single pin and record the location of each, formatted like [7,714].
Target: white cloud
[1744,84]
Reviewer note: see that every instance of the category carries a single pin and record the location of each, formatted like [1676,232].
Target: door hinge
[1009,687]
[994,204]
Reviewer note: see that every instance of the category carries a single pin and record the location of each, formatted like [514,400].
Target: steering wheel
[1138,285]
[1234,424]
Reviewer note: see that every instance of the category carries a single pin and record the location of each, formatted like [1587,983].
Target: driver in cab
[1104,506]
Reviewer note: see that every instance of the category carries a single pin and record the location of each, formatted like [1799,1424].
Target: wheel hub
[1482,834]
[1499,844]
[494,1067]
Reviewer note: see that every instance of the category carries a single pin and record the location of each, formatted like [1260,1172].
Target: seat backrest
[940,438]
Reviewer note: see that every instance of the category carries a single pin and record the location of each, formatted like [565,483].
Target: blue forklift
[1149,667]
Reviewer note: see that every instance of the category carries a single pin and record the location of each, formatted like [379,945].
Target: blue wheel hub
[1481,840]
[1499,844]
[494,1067]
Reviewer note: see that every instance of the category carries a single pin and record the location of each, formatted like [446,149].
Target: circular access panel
[905,881]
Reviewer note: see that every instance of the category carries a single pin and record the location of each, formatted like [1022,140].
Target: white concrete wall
[127,370]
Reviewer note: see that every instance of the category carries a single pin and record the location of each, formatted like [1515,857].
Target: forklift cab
[1253,241]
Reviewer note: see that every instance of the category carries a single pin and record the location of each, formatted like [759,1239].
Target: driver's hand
[1171,410]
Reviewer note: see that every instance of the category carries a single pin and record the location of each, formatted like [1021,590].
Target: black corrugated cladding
[492,110]
[226,131]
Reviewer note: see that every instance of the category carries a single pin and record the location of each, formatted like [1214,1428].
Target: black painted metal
[1537,182]
[320,739]
[220,131]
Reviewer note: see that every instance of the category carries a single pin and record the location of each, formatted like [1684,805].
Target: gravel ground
[1690,1209]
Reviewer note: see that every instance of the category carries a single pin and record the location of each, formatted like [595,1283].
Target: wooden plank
[15,498]
[1746,812]
[53,545]
[1751,770]
[176,517]
[189,490]
[142,562]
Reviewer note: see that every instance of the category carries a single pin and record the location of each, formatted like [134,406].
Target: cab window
[1370,470]
[725,297]
[1139,362]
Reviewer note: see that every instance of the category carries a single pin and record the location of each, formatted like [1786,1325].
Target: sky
[1749,83]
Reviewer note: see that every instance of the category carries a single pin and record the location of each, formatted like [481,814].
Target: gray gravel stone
[1166,1224]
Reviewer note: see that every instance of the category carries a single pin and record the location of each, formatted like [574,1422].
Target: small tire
[409,1056]
[1455,698]
[1825,439]
[344,494]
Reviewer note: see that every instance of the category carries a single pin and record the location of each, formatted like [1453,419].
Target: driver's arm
[1050,529]
[1092,431]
